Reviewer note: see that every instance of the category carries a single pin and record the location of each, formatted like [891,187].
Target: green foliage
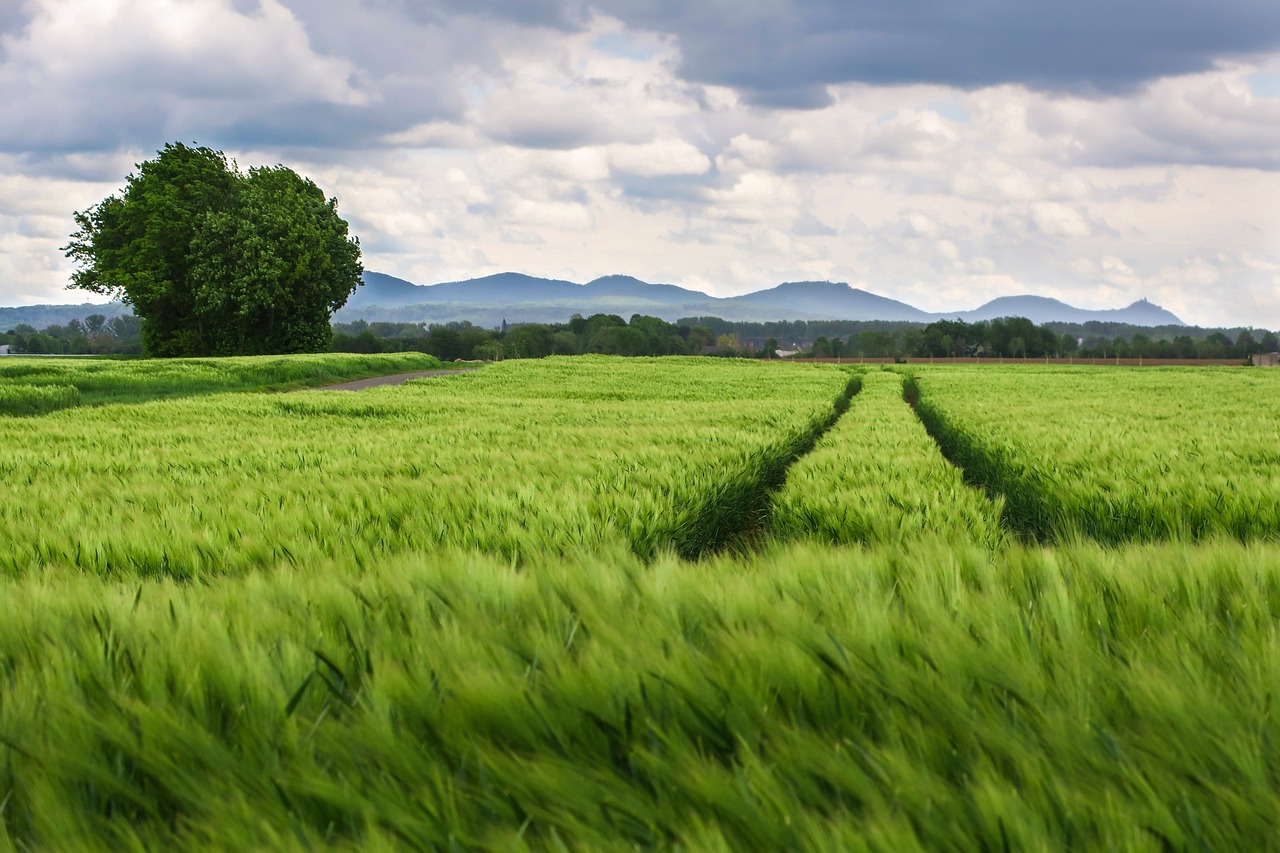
[218,262]
[96,382]
[455,614]
[273,270]
[877,477]
[518,458]
[1112,454]
[926,697]
[601,334]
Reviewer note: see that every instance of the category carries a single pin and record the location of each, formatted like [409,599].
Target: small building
[1267,359]
[4,349]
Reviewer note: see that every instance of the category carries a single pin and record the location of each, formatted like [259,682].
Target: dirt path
[389,380]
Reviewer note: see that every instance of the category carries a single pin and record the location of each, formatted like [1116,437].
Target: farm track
[1068,465]
[756,530]
[962,454]
[879,477]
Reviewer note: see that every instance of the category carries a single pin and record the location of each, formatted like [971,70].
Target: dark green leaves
[217,261]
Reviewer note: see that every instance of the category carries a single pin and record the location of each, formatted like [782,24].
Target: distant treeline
[96,334]
[1011,337]
[1008,337]
[606,334]
[612,335]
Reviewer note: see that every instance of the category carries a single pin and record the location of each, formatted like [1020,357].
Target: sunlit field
[599,603]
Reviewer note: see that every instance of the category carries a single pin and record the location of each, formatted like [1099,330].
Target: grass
[1115,455]
[892,698]
[31,386]
[516,459]
[37,399]
[878,477]
[502,611]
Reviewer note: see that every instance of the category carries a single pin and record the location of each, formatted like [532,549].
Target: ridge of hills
[519,298]
[527,299]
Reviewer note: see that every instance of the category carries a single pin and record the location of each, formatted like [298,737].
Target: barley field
[1116,456]
[669,604]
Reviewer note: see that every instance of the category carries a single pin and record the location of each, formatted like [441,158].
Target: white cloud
[667,156]
[83,70]
[1053,219]
[464,141]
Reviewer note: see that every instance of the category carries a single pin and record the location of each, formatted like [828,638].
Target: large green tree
[216,261]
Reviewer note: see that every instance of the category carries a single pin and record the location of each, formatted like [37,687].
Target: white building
[4,349]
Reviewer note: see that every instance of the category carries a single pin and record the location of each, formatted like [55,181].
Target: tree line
[610,334]
[1008,337]
[1012,337]
[606,334]
[94,335]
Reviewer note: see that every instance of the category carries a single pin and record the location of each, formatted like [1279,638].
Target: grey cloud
[408,75]
[13,19]
[651,194]
[306,125]
[1196,121]
[784,51]
[557,130]
[546,13]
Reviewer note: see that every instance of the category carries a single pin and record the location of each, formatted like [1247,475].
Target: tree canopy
[216,261]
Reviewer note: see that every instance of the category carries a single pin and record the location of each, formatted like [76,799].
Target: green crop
[515,459]
[932,696]
[1116,455]
[878,477]
[37,399]
[609,604]
[31,386]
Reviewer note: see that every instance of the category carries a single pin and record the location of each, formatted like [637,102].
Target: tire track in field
[1022,514]
[750,536]
[879,479]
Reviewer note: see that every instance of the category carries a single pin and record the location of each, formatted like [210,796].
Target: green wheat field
[611,604]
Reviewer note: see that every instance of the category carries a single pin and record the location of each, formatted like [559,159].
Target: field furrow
[878,477]
[516,459]
[1112,455]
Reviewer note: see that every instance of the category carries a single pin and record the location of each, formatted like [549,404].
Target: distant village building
[1267,359]
[4,349]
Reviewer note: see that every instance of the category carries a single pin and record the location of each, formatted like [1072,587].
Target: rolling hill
[520,298]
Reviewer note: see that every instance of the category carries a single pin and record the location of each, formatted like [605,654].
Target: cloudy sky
[937,152]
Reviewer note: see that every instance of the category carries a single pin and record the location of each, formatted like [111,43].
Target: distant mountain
[634,288]
[43,316]
[386,290]
[828,300]
[1040,309]
[520,298]
[515,288]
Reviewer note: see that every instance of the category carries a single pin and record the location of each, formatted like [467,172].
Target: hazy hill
[827,300]
[520,298]
[42,316]
[1040,309]
[634,288]
[386,290]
